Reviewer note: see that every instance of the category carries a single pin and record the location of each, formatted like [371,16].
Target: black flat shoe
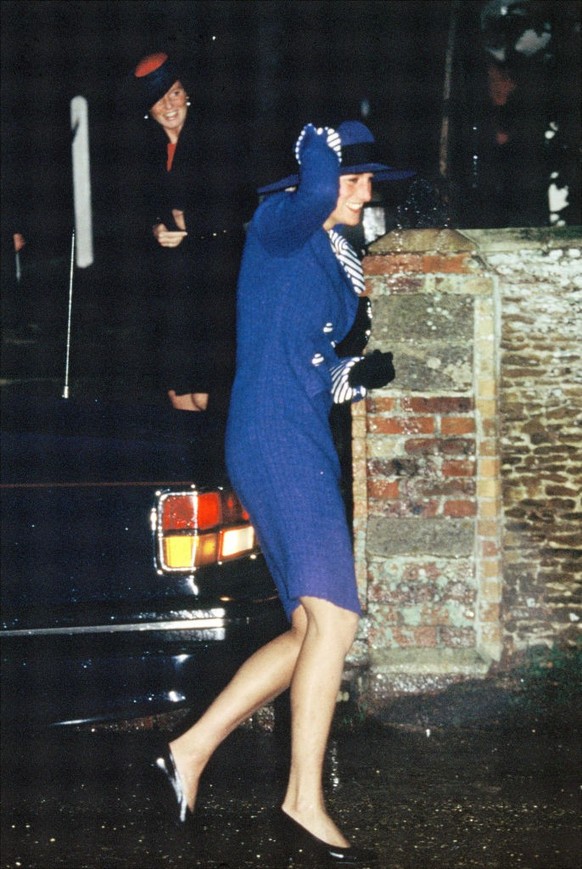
[165,763]
[302,843]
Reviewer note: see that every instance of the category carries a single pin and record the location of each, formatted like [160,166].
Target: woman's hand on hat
[310,134]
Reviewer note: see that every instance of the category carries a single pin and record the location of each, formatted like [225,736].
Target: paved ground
[502,792]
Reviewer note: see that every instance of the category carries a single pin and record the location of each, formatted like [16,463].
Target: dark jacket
[188,301]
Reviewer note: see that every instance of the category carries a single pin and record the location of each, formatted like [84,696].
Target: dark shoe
[165,763]
[302,843]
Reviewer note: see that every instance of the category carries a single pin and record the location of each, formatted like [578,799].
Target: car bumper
[98,672]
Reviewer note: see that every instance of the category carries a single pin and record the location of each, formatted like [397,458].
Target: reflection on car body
[132,581]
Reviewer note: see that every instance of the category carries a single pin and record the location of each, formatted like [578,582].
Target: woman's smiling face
[354,192]
[170,111]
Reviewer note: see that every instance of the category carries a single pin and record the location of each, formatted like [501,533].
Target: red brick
[421,445]
[437,404]
[380,404]
[459,446]
[458,509]
[419,425]
[387,489]
[457,425]
[458,468]
[385,425]
[460,264]
[394,264]
[401,425]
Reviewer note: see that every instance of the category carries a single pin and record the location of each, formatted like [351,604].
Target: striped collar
[348,259]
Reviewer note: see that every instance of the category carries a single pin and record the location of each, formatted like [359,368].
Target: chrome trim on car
[201,624]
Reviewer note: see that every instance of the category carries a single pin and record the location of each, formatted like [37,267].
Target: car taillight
[195,529]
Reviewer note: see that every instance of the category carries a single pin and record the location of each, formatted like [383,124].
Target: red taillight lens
[182,516]
[191,511]
[179,513]
[209,512]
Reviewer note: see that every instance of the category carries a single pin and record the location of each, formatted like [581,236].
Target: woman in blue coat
[297,298]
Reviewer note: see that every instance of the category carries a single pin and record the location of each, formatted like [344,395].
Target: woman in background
[193,237]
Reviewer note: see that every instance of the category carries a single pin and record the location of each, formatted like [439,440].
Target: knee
[348,627]
[299,625]
[332,621]
[343,628]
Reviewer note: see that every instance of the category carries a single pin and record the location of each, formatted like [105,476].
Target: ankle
[312,815]
[189,752]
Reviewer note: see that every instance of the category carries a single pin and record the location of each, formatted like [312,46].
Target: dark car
[132,582]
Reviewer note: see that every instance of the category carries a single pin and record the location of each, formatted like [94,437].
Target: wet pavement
[436,789]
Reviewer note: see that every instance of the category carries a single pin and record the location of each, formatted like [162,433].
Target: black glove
[372,371]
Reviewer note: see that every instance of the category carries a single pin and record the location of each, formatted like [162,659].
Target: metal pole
[69,315]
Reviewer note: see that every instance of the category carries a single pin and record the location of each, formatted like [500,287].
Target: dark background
[257,71]
[261,68]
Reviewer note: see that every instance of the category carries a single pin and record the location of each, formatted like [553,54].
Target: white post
[82,182]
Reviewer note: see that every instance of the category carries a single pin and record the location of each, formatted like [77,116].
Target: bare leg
[309,657]
[316,681]
[264,676]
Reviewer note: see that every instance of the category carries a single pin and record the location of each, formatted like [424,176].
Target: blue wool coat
[294,304]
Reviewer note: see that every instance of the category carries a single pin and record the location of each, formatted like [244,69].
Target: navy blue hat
[358,148]
[152,78]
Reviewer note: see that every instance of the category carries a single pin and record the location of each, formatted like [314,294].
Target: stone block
[410,536]
[423,318]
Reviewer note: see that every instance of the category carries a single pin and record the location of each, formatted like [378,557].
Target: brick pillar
[426,468]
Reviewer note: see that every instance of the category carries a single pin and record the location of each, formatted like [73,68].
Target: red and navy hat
[153,77]
[358,154]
